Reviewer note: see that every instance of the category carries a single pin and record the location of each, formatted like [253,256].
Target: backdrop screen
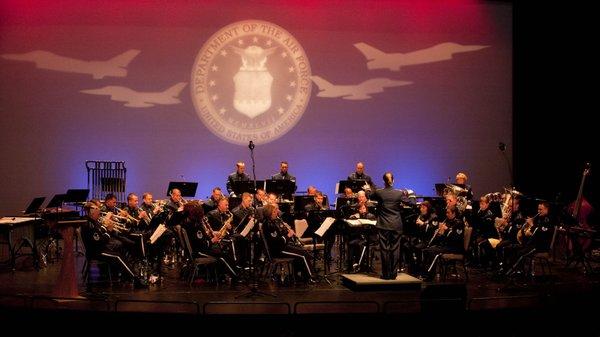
[178,90]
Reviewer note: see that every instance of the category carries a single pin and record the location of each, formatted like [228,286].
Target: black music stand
[34,206]
[188,189]
[355,185]
[77,195]
[247,186]
[57,201]
[281,187]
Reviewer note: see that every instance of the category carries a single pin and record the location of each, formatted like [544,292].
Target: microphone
[251,145]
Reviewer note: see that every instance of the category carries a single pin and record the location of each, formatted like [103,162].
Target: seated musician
[484,228]
[136,217]
[509,228]
[238,175]
[318,203]
[116,215]
[448,238]
[260,198]
[359,174]
[211,203]
[461,181]
[202,238]
[280,240]
[149,207]
[452,202]
[311,190]
[357,240]
[175,202]
[100,244]
[427,225]
[535,235]
[241,215]
[220,221]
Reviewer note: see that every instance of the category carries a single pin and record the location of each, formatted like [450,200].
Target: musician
[110,204]
[510,227]
[280,242]
[148,205]
[448,238]
[484,228]
[359,174]
[99,244]
[219,216]
[283,173]
[238,175]
[260,198]
[212,202]
[461,181]
[244,211]
[318,203]
[311,190]
[136,216]
[357,241]
[175,202]
[536,234]
[201,237]
[389,224]
[427,225]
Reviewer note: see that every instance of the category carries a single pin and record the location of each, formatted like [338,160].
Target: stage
[302,308]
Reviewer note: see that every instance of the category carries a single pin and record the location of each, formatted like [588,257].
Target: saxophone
[226,225]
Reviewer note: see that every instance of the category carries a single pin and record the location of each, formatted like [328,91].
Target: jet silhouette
[98,69]
[355,92]
[378,59]
[136,99]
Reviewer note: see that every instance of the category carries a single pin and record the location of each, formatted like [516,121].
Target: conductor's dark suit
[389,225]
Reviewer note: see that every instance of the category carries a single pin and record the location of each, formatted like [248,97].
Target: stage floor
[28,291]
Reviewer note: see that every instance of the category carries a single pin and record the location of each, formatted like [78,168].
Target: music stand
[188,189]
[56,201]
[280,187]
[77,195]
[247,186]
[35,205]
[355,185]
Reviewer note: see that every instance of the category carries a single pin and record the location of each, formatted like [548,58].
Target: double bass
[580,211]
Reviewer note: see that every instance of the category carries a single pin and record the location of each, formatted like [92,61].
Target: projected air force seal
[251,81]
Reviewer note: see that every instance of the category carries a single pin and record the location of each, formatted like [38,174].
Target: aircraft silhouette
[137,99]
[114,67]
[377,59]
[355,92]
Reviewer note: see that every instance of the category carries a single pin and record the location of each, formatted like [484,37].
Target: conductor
[389,224]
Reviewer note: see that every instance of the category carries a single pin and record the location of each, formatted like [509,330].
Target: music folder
[248,228]
[360,222]
[325,226]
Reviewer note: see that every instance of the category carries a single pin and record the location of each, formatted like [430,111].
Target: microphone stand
[251,147]
[502,148]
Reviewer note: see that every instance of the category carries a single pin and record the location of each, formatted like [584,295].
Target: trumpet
[117,227]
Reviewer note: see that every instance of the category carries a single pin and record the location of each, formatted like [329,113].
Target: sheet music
[157,233]
[248,228]
[325,226]
[360,222]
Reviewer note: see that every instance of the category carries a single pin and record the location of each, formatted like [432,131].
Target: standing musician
[461,181]
[279,239]
[238,175]
[448,238]
[359,174]
[97,236]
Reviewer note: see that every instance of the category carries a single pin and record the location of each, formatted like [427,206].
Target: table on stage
[23,229]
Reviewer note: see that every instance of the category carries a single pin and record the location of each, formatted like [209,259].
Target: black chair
[282,263]
[195,263]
